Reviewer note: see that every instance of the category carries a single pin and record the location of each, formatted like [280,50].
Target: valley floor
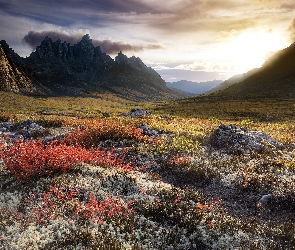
[149,181]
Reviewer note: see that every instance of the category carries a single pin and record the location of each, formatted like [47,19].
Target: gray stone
[136,113]
[139,112]
[233,139]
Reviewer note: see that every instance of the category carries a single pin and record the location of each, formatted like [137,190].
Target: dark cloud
[66,13]
[34,39]
[69,12]
[47,8]
[178,16]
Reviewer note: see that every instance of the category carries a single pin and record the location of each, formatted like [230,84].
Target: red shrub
[32,158]
[91,209]
[26,159]
[92,134]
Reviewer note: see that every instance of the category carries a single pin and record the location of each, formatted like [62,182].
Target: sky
[196,40]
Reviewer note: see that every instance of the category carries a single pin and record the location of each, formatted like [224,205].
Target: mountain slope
[233,80]
[276,79]
[13,75]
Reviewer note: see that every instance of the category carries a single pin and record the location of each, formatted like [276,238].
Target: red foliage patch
[91,134]
[178,161]
[91,209]
[26,159]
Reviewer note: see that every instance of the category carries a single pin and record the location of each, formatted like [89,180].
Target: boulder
[235,140]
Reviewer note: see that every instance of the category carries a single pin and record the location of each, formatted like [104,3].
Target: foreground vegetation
[105,184]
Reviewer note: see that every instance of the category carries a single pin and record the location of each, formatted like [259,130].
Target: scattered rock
[24,130]
[26,124]
[147,131]
[151,132]
[6,126]
[136,113]
[45,111]
[29,129]
[235,140]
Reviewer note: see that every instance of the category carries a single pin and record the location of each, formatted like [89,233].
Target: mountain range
[194,87]
[58,68]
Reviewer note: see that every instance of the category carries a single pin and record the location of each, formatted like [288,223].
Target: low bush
[29,159]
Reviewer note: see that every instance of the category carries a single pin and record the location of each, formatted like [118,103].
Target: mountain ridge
[59,68]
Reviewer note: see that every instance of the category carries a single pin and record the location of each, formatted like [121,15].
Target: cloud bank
[33,39]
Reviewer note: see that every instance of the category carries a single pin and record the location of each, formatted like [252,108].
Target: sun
[250,49]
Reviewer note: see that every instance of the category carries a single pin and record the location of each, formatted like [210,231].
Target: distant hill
[275,79]
[233,80]
[194,87]
[59,68]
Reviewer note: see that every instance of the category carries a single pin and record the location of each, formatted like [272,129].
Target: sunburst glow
[250,49]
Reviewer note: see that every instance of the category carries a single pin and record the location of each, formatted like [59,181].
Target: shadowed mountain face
[276,79]
[233,80]
[65,69]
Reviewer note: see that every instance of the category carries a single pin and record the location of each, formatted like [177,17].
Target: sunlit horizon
[221,38]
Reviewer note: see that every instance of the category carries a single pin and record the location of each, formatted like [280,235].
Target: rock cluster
[235,140]
[151,132]
[23,130]
[136,113]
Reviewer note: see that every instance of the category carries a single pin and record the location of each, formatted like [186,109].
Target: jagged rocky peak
[121,58]
[45,49]
[137,62]
[49,49]
[85,47]
[134,62]
[1,50]
[84,53]
[80,57]
[86,42]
